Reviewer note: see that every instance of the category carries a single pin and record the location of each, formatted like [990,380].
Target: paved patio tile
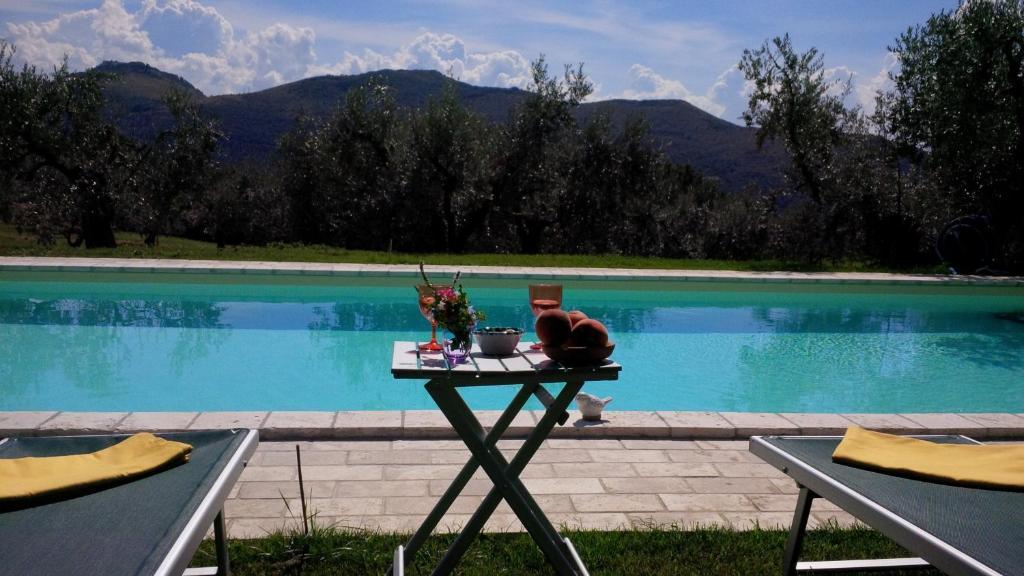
[426,424]
[628,455]
[999,425]
[947,424]
[588,443]
[283,489]
[562,486]
[424,504]
[408,456]
[351,488]
[16,423]
[676,520]
[734,485]
[306,425]
[775,503]
[429,445]
[711,456]
[257,527]
[666,485]
[748,470]
[617,502]
[606,521]
[269,474]
[567,455]
[593,470]
[646,470]
[325,445]
[708,502]
[341,506]
[228,420]
[697,425]
[626,424]
[369,472]
[154,421]
[369,424]
[255,508]
[786,485]
[521,425]
[309,458]
[891,423]
[759,423]
[83,422]
[723,444]
[665,444]
[819,424]
[420,471]
[768,520]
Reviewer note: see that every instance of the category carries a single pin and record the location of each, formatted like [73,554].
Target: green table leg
[505,476]
[464,475]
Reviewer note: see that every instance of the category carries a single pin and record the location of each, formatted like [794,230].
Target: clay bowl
[578,355]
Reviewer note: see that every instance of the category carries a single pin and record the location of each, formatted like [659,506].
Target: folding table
[957,529]
[151,525]
[531,371]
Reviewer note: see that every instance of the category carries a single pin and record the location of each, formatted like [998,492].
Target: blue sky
[682,49]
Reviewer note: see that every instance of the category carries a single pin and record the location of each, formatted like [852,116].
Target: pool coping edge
[431,424]
[89,264]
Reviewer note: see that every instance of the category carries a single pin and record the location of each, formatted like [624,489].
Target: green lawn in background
[704,552]
[131,246]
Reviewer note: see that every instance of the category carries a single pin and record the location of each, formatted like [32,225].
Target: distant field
[130,245]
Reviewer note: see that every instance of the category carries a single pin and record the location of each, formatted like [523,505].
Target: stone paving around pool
[601,484]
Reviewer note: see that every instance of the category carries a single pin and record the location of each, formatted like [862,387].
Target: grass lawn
[131,246]
[709,551]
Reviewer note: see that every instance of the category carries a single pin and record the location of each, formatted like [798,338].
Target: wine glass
[544,297]
[426,300]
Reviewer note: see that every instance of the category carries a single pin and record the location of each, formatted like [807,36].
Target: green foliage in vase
[451,309]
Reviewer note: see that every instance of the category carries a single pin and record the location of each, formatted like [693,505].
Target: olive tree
[64,165]
[957,108]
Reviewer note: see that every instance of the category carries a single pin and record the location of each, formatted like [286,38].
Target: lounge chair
[957,529]
[152,525]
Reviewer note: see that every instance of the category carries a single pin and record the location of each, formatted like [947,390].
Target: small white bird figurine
[590,406]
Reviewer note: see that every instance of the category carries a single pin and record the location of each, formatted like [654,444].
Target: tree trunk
[98,231]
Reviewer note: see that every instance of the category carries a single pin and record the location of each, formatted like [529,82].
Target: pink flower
[446,294]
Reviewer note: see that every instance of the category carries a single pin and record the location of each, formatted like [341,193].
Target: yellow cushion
[23,479]
[982,465]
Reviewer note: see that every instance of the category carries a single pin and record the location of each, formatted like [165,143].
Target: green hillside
[254,122]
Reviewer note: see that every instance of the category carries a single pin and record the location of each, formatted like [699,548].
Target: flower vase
[457,354]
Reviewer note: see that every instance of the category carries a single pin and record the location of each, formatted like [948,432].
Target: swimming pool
[187,341]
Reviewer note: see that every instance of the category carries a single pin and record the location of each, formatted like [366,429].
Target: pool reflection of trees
[831,357]
[96,359]
[140,313]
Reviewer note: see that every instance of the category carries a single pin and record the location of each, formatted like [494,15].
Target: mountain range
[254,122]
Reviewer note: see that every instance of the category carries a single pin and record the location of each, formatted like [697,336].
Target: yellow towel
[24,479]
[986,466]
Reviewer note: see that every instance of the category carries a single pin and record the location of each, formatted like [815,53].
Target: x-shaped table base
[503,473]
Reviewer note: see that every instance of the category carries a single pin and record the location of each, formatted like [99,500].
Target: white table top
[408,362]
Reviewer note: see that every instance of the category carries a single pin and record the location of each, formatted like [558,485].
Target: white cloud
[445,53]
[193,40]
[862,93]
[880,82]
[182,27]
[87,37]
[646,84]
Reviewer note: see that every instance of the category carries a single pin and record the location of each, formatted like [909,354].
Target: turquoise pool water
[140,342]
